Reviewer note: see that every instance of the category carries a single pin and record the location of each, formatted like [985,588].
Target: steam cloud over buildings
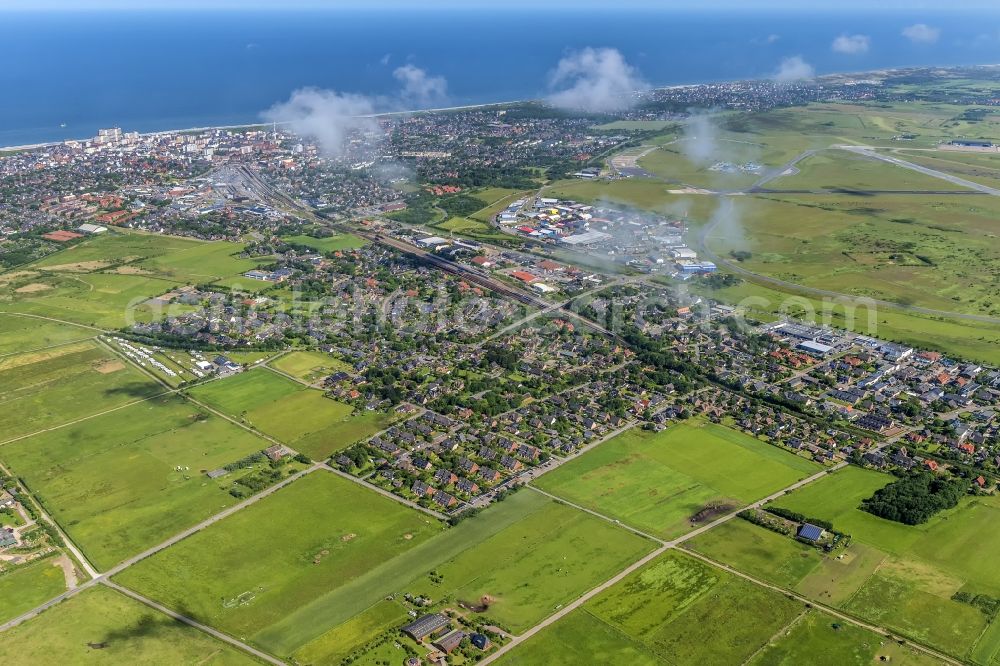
[325,116]
[594,80]
[329,117]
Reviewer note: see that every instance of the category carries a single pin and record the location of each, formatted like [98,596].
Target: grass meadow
[298,416]
[51,387]
[256,567]
[124,481]
[25,587]
[657,482]
[674,610]
[103,626]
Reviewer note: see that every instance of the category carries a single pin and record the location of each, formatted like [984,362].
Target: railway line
[467,273]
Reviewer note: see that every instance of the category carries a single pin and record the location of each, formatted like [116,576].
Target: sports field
[102,626]
[298,416]
[658,481]
[258,566]
[674,610]
[127,480]
[28,586]
[47,388]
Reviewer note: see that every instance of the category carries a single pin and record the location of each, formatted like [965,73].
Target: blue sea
[64,75]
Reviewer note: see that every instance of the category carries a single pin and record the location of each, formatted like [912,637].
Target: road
[869,152]
[674,543]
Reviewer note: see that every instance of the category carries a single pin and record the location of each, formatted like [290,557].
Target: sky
[700,5]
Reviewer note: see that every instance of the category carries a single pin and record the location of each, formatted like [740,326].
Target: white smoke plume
[419,88]
[325,116]
[330,118]
[851,44]
[793,69]
[700,143]
[726,223]
[594,81]
[921,33]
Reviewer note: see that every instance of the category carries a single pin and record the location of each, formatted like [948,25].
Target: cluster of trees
[799,518]
[461,205]
[913,499]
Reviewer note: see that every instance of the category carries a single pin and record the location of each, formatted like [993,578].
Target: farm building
[424,626]
[449,643]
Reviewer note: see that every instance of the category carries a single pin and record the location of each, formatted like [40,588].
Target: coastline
[486,105]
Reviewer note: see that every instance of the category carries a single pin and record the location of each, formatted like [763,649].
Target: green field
[127,480]
[28,586]
[19,334]
[308,366]
[328,244]
[508,553]
[657,482]
[105,300]
[821,640]
[300,417]
[43,389]
[102,626]
[904,577]
[529,572]
[932,251]
[840,169]
[256,567]
[674,610]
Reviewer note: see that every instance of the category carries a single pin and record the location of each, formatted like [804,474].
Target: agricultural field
[19,334]
[298,416]
[819,639]
[47,388]
[101,299]
[505,564]
[102,626]
[124,481]
[328,244]
[27,586]
[251,570]
[669,611]
[309,366]
[202,263]
[906,577]
[658,481]
[526,572]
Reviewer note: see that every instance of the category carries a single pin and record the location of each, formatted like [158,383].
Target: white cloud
[385,59]
[419,88]
[851,44]
[325,116]
[594,80]
[793,68]
[700,143]
[921,33]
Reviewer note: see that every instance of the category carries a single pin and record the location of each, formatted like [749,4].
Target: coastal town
[467,375]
